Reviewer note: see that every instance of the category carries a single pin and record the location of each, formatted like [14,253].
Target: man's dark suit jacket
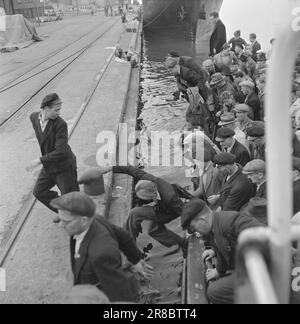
[253,101]
[236,192]
[262,191]
[227,227]
[218,38]
[189,63]
[170,206]
[57,155]
[241,153]
[100,260]
[296,189]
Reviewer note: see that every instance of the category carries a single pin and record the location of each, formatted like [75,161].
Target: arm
[61,150]
[113,281]
[127,245]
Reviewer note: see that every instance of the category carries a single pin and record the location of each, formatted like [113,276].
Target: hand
[144,269]
[33,164]
[208,255]
[213,199]
[212,274]
[218,114]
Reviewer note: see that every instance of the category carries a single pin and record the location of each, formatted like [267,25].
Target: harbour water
[160,113]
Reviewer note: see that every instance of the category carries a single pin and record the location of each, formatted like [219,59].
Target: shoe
[56,220]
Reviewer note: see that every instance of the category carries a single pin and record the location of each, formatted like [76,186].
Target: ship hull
[169,12]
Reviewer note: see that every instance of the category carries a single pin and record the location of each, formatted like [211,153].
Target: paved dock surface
[38,269]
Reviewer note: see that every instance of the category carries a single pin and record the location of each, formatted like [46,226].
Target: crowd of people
[226,96]
[226,107]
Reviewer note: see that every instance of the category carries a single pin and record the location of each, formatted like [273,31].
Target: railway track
[9,242]
[69,60]
[43,59]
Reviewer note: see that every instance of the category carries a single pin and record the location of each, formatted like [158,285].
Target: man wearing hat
[258,209]
[225,226]
[252,100]
[96,247]
[225,136]
[210,181]
[236,189]
[187,71]
[228,120]
[256,172]
[158,202]
[296,184]
[220,84]
[58,160]
[256,139]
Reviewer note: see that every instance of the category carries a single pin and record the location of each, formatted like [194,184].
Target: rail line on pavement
[45,58]
[10,241]
[73,58]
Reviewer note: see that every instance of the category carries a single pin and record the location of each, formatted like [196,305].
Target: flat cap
[77,203]
[146,190]
[247,83]
[225,159]
[255,131]
[242,108]
[48,100]
[171,62]
[255,166]
[190,211]
[257,208]
[296,164]
[227,119]
[224,133]
[217,79]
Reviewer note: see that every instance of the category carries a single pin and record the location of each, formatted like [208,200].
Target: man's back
[100,263]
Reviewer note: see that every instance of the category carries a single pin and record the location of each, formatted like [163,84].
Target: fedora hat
[227,119]
[217,79]
[257,208]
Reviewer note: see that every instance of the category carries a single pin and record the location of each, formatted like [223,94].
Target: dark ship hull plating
[175,12]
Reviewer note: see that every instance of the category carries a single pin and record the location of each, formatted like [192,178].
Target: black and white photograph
[149,154]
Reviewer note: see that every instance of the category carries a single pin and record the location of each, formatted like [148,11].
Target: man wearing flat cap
[225,227]
[187,71]
[252,99]
[96,247]
[158,202]
[256,139]
[255,170]
[225,136]
[228,120]
[236,189]
[58,160]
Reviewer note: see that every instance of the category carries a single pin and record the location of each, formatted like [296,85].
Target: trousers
[221,292]
[157,230]
[66,182]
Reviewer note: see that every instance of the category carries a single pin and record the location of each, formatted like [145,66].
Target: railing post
[279,152]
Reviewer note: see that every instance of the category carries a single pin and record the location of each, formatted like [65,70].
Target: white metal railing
[259,278]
